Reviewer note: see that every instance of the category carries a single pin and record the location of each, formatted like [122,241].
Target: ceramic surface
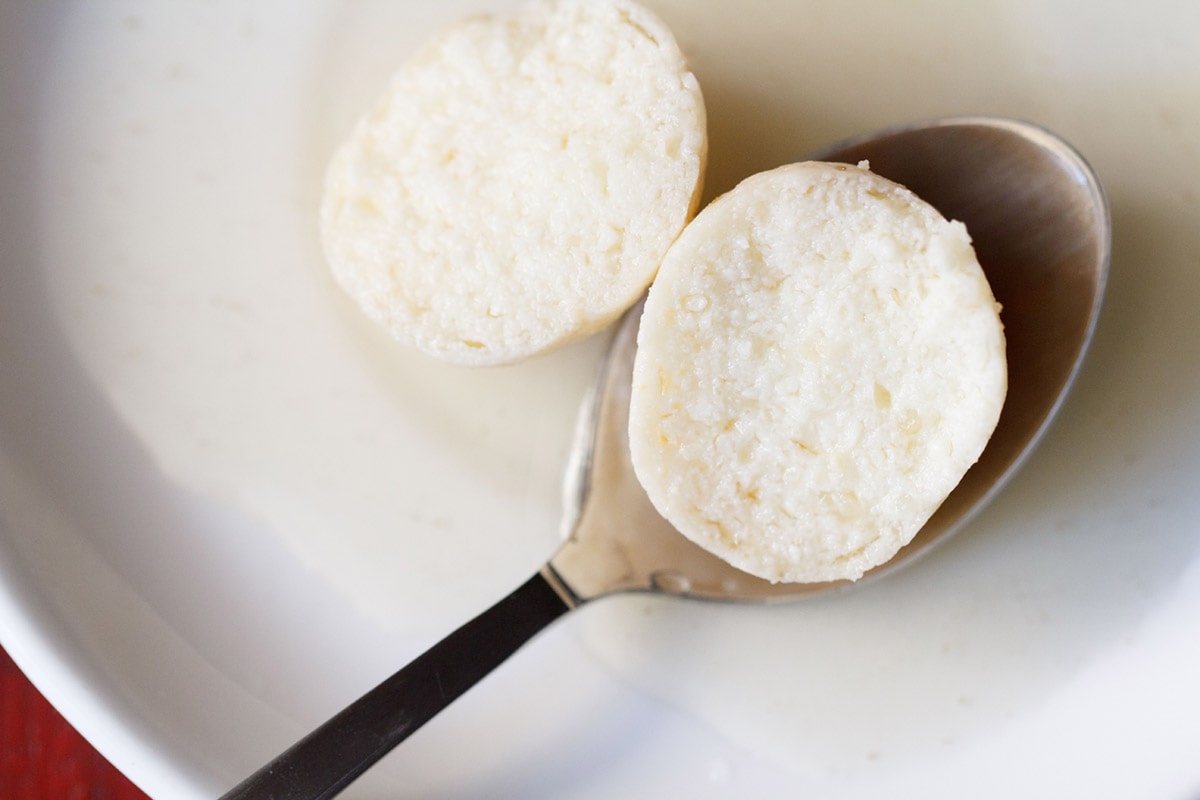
[228,504]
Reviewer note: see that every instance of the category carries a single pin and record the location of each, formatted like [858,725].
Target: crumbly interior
[520,180]
[820,361]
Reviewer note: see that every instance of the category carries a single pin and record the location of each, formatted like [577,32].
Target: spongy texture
[520,180]
[820,361]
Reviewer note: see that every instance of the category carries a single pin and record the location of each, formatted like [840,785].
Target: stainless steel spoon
[1040,224]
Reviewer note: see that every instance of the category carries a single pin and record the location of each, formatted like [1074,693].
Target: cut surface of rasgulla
[820,360]
[519,181]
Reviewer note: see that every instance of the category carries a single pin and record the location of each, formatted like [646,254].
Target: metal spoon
[1040,223]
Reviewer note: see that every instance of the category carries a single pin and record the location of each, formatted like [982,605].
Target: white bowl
[228,505]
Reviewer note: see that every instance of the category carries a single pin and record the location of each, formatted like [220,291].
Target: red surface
[42,757]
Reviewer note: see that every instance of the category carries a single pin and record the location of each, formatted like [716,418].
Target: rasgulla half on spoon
[519,181]
[820,361]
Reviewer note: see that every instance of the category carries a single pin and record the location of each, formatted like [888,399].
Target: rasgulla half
[820,360]
[519,181]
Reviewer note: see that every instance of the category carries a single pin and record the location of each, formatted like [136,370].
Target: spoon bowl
[1040,224]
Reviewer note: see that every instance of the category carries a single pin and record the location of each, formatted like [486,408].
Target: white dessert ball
[519,181]
[820,361]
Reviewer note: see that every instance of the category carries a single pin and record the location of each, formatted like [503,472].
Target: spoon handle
[327,760]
